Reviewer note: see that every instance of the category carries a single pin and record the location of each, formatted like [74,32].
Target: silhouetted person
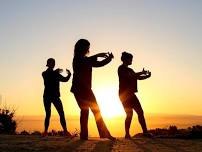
[52,79]
[127,89]
[81,87]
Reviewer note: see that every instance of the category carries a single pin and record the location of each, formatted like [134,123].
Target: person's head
[126,58]
[81,47]
[50,63]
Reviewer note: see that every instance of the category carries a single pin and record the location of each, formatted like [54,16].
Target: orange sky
[164,37]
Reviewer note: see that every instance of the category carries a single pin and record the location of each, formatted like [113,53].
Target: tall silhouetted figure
[81,87]
[127,89]
[52,79]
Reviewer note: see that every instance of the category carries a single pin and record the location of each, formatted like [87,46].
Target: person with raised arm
[52,79]
[81,87]
[127,89]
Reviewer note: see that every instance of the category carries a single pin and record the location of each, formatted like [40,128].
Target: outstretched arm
[104,55]
[143,72]
[108,57]
[145,76]
[65,79]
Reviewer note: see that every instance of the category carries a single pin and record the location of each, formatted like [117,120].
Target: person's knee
[61,113]
[129,114]
[48,116]
[95,111]
[84,111]
[48,112]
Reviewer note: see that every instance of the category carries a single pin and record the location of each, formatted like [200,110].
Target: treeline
[194,132]
[50,133]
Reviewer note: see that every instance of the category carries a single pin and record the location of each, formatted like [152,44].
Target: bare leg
[138,108]
[83,105]
[129,115]
[58,105]
[102,128]
[47,106]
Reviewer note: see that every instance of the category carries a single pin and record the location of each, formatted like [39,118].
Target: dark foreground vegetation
[194,132]
[7,123]
[8,126]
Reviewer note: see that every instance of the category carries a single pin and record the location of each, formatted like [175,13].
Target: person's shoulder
[78,59]
[47,72]
[121,68]
[43,73]
[130,69]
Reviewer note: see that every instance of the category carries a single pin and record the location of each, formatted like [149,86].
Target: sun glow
[109,102]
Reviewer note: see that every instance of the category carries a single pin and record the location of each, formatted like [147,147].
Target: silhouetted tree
[196,132]
[7,123]
[172,130]
[24,132]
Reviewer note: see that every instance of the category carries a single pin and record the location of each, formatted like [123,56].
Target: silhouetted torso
[52,82]
[127,79]
[82,75]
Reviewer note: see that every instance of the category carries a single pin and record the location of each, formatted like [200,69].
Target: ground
[30,143]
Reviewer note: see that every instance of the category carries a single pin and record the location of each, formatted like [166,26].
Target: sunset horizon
[164,38]
[100,75]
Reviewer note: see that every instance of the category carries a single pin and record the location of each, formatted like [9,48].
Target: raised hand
[110,55]
[68,72]
[148,73]
[143,71]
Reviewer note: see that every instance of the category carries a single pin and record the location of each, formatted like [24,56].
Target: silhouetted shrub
[172,130]
[194,132]
[7,122]
[24,132]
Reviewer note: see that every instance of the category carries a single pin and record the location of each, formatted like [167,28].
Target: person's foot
[69,135]
[44,134]
[143,135]
[127,137]
[83,138]
[110,137]
[148,135]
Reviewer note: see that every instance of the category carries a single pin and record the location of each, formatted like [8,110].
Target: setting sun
[109,102]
